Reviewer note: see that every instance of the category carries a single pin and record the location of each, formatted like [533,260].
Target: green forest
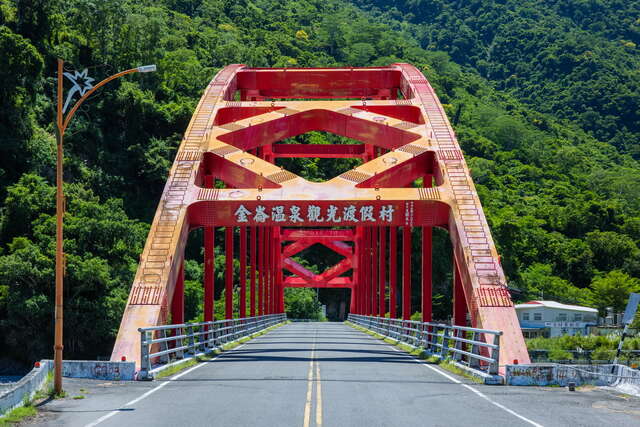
[544,96]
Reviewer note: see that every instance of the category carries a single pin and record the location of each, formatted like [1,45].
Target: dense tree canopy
[544,96]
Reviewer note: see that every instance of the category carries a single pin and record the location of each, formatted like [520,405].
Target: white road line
[449,377]
[153,390]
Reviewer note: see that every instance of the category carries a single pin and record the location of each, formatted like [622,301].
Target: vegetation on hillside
[543,96]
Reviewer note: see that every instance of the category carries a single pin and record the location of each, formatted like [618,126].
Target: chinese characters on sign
[316,214]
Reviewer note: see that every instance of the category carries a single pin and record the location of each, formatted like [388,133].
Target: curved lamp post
[83,85]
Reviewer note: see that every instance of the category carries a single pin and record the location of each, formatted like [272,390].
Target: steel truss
[225,175]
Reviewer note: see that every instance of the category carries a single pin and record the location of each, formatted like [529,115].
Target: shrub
[558,354]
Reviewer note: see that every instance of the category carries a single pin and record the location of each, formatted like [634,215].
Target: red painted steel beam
[319,83]
[268,268]
[459,302]
[221,213]
[177,301]
[356,293]
[261,247]
[335,270]
[228,273]
[296,247]
[427,264]
[272,270]
[336,282]
[427,287]
[407,113]
[406,273]
[252,261]
[403,174]
[234,175]
[383,270]
[393,271]
[280,276]
[323,234]
[233,114]
[367,269]
[343,151]
[209,265]
[374,271]
[243,272]
[339,247]
[299,270]
[266,133]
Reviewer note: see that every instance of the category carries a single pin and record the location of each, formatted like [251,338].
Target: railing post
[145,362]
[495,355]
[190,338]
[178,342]
[445,343]
[164,346]
[202,342]
[475,349]
[458,344]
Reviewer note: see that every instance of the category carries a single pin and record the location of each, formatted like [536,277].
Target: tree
[302,303]
[540,283]
[612,290]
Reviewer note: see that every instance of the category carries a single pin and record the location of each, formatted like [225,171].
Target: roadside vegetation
[585,348]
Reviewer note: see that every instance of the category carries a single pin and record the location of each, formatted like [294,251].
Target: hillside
[549,130]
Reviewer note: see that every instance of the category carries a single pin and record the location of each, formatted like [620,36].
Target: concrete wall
[13,395]
[112,371]
[561,375]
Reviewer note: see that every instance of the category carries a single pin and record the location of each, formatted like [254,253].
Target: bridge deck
[362,382]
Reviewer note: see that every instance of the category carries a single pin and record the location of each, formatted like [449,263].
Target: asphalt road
[313,374]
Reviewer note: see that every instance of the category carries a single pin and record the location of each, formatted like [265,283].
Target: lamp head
[147,68]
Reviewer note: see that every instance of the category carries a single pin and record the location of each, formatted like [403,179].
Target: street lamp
[82,84]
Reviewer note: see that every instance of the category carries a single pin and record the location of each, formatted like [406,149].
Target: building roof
[555,304]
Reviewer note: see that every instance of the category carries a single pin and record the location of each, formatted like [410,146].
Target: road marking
[455,380]
[307,405]
[153,390]
[310,380]
[318,396]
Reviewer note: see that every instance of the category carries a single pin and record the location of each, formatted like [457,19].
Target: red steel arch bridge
[365,215]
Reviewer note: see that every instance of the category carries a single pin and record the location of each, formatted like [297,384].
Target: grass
[421,354]
[17,415]
[210,355]
[27,409]
[78,397]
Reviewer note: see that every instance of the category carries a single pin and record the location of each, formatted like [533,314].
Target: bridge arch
[394,111]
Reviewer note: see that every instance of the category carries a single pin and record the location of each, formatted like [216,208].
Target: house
[552,319]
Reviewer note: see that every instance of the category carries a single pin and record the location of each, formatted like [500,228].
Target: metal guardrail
[444,341]
[165,344]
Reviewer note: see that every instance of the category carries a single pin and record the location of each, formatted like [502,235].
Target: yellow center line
[307,406]
[318,396]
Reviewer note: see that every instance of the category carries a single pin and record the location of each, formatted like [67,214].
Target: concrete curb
[24,389]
